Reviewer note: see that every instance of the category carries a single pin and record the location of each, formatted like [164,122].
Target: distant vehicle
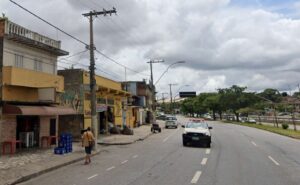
[171,121]
[196,132]
[247,120]
[161,117]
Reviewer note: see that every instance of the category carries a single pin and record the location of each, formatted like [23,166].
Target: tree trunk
[214,115]
[220,113]
[237,117]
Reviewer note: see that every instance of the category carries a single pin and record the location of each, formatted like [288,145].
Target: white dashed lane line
[196,177]
[124,162]
[110,168]
[207,151]
[273,160]
[170,136]
[204,161]
[135,156]
[253,143]
[92,176]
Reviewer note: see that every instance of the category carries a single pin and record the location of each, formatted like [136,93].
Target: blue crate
[59,151]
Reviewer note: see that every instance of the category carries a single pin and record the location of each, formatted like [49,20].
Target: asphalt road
[238,156]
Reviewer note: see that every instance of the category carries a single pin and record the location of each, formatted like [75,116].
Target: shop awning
[37,110]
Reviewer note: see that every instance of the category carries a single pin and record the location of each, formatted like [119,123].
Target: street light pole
[171,103]
[178,62]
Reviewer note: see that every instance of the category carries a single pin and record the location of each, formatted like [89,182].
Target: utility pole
[171,103]
[93,99]
[152,87]
[163,99]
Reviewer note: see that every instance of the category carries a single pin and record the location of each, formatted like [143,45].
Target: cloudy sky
[253,43]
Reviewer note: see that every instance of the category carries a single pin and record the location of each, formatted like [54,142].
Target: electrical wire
[80,41]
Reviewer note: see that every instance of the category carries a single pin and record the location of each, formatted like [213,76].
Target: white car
[196,132]
[171,121]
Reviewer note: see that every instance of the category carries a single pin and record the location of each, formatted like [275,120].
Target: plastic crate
[59,151]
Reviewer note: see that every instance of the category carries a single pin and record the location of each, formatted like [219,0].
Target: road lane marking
[170,136]
[110,168]
[124,162]
[135,156]
[253,143]
[207,151]
[203,162]
[196,177]
[273,160]
[92,176]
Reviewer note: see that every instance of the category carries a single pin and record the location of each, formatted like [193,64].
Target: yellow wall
[16,93]
[29,78]
[103,82]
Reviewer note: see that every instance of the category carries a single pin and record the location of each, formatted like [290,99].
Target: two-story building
[29,85]
[111,107]
[141,100]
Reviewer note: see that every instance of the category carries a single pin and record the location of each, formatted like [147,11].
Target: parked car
[196,132]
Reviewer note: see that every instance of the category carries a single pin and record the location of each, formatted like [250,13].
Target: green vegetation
[284,132]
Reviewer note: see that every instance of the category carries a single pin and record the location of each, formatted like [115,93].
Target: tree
[234,98]
[271,94]
[213,103]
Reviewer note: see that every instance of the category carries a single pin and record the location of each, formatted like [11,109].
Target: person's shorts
[88,150]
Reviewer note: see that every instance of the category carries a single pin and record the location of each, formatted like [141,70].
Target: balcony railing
[15,29]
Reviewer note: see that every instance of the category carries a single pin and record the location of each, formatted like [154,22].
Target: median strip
[253,143]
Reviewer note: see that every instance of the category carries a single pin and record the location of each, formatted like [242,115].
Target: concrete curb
[125,143]
[36,174]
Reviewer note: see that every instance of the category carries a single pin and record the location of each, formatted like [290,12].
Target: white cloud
[222,45]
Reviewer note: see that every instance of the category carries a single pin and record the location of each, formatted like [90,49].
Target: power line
[49,23]
[80,41]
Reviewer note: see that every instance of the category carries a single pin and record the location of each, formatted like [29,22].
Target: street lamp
[178,62]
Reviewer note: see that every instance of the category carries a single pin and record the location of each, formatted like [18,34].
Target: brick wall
[8,129]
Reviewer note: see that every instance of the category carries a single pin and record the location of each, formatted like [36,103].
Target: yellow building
[29,85]
[111,99]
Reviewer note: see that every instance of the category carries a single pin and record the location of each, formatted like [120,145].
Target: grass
[287,132]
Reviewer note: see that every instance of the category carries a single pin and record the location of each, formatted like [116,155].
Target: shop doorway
[52,130]
[28,129]
[102,122]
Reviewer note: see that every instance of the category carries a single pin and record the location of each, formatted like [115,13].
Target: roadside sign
[187,94]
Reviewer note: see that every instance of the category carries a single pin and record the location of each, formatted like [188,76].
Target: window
[19,61]
[38,66]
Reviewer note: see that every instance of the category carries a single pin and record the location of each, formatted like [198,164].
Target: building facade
[30,86]
[141,100]
[111,107]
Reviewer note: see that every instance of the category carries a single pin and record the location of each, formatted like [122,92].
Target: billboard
[187,94]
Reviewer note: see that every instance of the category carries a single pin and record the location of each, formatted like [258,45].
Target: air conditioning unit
[27,139]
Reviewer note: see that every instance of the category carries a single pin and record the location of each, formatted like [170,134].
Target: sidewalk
[139,133]
[25,165]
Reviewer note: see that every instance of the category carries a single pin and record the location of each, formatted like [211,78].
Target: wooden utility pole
[153,89]
[93,99]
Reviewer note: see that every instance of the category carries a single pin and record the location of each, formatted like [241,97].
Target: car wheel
[175,127]
[159,130]
[208,145]
[184,143]
[166,127]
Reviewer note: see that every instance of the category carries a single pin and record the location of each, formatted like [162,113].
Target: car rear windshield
[196,125]
[171,118]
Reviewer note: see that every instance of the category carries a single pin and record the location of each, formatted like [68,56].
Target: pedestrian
[88,141]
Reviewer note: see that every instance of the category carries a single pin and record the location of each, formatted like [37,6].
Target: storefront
[31,125]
